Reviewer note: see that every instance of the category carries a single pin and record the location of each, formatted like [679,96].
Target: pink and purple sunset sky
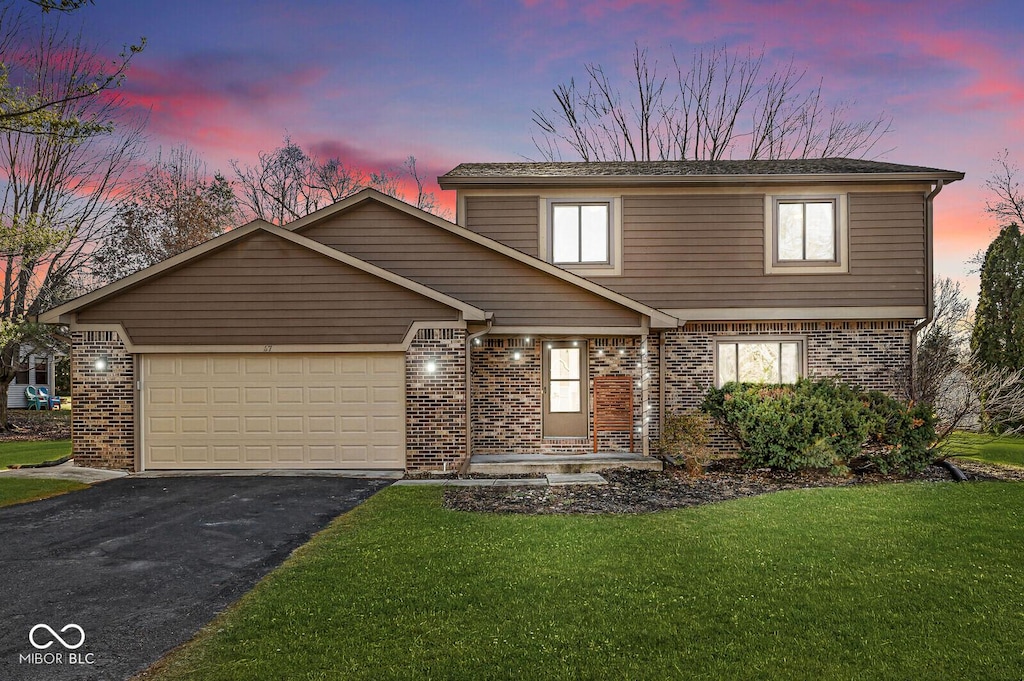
[451,82]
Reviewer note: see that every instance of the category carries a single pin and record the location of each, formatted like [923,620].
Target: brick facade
[435,399]
[103,402]
[873,355]
[508,395]
[507,385]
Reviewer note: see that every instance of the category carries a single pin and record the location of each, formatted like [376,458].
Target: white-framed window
[806,231]
[580,233]
[759,360]
[806,234]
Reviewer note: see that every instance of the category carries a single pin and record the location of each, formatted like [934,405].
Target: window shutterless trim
[800,340]
[841,235]
[579,205]
[545,240]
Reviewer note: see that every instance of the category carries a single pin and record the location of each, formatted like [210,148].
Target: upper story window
[806,234]
[580,234]
[806,231]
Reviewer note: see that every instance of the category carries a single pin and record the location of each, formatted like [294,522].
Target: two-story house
[567,308]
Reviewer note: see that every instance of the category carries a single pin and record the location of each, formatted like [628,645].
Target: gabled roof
[624,173]
[53,316]
[658,318]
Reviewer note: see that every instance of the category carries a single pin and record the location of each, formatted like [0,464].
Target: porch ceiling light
[101,363]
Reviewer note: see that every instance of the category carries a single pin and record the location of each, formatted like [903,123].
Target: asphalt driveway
[141,564]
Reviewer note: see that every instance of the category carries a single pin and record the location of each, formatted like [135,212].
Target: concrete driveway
[140,564]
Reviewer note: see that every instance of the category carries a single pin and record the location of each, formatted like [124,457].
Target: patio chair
[51,401]
[34,400]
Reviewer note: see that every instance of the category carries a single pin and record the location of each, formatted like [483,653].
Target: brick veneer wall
[103,402]
[874,355]
[508,394]
[435,402]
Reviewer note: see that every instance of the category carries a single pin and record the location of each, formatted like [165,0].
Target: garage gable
[266,289]
[519,294]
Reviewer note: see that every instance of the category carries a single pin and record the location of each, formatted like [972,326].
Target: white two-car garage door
[273,411]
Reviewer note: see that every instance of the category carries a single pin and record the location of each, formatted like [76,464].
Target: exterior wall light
[476,341]
[431,366]
[101,363]
[622,351]
[517,355]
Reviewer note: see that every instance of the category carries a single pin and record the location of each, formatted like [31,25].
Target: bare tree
[24,108]
[959,404]
[942,344]
[174,206]
[287,184]
[60,188]
[1007,200]
[719,105]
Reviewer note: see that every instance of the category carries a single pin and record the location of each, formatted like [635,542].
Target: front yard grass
[876,582]
[40,451]
[1002,451]
[19,490]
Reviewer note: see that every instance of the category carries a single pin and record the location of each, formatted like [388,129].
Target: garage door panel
[257,425]
[225,395]
[227,453]
[290,395]
[267,411]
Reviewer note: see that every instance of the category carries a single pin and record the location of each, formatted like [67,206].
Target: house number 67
[268,348]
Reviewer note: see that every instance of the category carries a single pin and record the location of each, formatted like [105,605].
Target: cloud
[218,100]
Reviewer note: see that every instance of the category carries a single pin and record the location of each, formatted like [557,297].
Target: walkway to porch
[542,464]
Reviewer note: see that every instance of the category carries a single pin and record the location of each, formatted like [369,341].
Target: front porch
[543,464]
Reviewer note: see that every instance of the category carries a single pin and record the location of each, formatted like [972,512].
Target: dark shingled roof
[801,166]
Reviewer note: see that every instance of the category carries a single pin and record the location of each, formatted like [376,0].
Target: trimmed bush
[822,424]
[684,441]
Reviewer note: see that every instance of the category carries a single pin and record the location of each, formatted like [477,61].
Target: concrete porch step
[543,464]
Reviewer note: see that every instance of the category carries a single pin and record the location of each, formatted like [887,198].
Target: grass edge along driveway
[889,582]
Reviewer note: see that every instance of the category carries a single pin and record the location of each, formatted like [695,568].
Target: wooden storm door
[565,389]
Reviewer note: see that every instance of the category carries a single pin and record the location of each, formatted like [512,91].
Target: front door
[565,389]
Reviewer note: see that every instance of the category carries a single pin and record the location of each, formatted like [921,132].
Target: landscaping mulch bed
[630,491]
[30,425]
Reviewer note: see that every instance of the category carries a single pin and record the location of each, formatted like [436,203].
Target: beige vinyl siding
[264,290]
[512,220]
[708,251]
[516,293]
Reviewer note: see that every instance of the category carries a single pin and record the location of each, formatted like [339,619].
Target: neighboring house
[38,371]
[372,335]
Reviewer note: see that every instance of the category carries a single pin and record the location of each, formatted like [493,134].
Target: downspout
[662,344]
[464,467]
[929,310]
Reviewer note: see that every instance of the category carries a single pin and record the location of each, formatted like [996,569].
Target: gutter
[929,313]
[555,181]
[464,467]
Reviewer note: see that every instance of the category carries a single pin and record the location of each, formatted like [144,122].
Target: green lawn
[33,452]
[883,582]
[1004,450]
[18,490]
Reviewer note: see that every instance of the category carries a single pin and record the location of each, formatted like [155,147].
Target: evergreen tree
[998,337]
